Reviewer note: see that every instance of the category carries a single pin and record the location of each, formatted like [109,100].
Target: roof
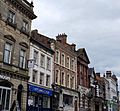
[41,40]
[91,71]
[82,52]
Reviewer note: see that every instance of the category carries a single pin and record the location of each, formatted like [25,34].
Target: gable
[83,55]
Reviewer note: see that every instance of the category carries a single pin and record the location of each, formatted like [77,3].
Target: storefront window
[46,102]
[67,100]
[5,97]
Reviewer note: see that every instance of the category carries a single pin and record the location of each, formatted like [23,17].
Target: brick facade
[65,52]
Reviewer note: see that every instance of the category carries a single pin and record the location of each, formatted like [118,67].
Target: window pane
[0,93]
[48,80]
[11,17]
[48,63]
[22,58]
[62,78]
[8,46]
[25,25]
[42,60]
[36,57]
[68,100]
[46,102]
[7,52]
[56,76]
[3,98]
[34,77]
[7,100]
[6,56]
[42,78]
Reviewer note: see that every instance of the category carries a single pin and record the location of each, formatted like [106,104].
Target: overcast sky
[92,24]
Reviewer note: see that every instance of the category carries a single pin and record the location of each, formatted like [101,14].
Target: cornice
[24,8]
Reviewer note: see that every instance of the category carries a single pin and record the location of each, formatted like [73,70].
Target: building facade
[113,102]
[82,78]
[41,73]
[15,25]
[100,95]
[92,83]
[65,75]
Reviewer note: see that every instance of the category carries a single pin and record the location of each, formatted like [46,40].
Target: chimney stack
[108,73]
[98,74]
[62,38]
[73,46]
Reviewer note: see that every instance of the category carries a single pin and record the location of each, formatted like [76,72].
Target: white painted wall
[37,67]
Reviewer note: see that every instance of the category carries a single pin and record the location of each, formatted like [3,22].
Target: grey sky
[92,24]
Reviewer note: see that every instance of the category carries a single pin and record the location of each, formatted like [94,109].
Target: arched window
[5,92]
[19,95]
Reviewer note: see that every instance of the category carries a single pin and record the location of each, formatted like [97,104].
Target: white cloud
[93,24]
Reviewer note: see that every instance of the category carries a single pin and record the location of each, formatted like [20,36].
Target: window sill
[25,69]
[7,63]
[42,67]
[48,70]
[14,25]
[25,32]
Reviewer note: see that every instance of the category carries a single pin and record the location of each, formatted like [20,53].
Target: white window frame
[48,84]
[48,66]
[25,25]
[35,56]
[57,57]
[62,78]
[43,75]
[7,50]
[6,88]
[68,79]
[68,62]
[62,59]
[42,60]
[22,65]
[57,82]
[36,74]
[11,16]
[72,64]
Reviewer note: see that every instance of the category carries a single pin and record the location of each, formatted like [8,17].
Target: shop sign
[31,63]
[40,90]
[4,77]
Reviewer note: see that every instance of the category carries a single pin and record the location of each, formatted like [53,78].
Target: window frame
[63,78]
[10,53]
[24,58]
[47,79]
[25,26]
[48,66]
[43,75]
[57,56]
[35,57]
[11,16]
[36,73]
[42,60]
[68,62]
[63,59]
[57,82]
[68,80]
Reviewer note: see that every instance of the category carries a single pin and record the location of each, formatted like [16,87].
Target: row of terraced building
[39,73]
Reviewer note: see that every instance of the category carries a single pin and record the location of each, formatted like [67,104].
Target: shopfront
[39,99]
[5,95]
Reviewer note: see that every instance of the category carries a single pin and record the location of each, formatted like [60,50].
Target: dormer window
[11,17]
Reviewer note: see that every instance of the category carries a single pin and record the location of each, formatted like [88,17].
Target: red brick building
[82,77]
[65,74]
